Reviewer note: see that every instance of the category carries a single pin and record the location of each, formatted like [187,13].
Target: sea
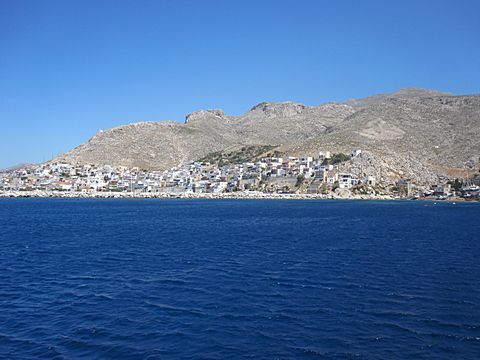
[239,279]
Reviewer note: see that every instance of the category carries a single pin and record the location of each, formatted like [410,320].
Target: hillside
[413,133]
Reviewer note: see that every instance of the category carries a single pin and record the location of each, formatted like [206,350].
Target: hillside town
[325,174]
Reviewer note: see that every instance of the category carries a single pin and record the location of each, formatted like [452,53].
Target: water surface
[236,279]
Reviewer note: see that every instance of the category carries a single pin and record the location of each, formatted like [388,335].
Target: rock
[343,193]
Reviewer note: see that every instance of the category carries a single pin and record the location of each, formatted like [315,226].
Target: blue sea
[239,279]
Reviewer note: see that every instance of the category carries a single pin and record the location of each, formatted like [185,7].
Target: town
[323,174]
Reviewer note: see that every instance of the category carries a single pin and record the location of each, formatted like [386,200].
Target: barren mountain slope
[286,123]
[161,145]
[153,146]
[418,137]
[413,131]
[406,93]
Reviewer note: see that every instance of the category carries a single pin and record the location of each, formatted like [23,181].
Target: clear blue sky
[69,68]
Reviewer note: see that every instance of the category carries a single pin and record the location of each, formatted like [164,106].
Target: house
[201,186]
[220,187]
[370,180]
[403,186]
[63,185]
[324,155]
[346,181]
[440,190]
[356,152]
[321,173]
[306,160]
[331,176]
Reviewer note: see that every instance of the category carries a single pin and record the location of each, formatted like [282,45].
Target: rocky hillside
[412,132]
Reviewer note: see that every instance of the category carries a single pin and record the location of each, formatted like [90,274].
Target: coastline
[232,195]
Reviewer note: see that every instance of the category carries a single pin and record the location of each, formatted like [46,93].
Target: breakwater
[165,195]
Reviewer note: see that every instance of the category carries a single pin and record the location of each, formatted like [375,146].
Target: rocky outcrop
[205,115]
[279,109]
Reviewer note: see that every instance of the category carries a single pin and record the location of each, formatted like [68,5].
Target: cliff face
[414,130]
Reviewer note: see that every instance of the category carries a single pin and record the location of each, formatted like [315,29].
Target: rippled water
[226,279]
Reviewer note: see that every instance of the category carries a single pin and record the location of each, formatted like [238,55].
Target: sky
[69,68]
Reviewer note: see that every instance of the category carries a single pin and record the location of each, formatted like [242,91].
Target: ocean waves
[194,279]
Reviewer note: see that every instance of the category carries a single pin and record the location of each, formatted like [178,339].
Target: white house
[370,180]
[346,181]
[356,152]
[324,155]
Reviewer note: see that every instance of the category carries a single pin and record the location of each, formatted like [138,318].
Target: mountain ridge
[437,129]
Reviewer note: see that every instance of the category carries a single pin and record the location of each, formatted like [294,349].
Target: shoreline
[233,195]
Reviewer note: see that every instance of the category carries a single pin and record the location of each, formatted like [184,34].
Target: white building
[370,180]
[346,181]
[356,152]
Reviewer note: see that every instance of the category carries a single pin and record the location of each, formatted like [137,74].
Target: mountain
[17,167]
[406,93]
[161,145]
[413,133]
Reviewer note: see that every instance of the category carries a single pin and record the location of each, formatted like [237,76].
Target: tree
[300,179]
[456,185]
[324,189]
[338,158]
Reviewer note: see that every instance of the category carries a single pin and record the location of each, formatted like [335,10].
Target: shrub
[338,158]
[300,179]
